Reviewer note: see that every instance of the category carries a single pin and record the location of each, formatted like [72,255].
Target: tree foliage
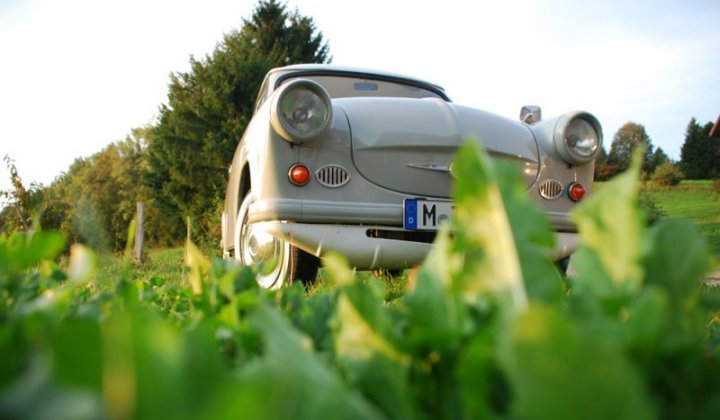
[700,155]
[22,203]
[629,137]
[95,200]
[209,107]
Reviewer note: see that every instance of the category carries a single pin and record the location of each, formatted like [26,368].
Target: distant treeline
[699,155]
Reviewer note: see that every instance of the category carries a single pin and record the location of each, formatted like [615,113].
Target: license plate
[425,214]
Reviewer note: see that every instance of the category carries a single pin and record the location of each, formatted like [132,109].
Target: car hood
[407,145]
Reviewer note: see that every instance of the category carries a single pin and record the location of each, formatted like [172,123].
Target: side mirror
[530,114]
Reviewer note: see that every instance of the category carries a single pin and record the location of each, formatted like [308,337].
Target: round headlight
[301,111]
[578,138]
[581,138]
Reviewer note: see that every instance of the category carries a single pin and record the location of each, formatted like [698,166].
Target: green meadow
[696,201]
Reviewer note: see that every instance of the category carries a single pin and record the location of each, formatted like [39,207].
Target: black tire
[279,262]
[384,272]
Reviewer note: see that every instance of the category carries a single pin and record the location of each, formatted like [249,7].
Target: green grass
[694,201]
[166,264]
[169,265]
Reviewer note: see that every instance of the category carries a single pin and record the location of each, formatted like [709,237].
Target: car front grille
[551,189]
[332,176]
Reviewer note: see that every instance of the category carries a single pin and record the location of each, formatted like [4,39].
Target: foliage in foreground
[487,329]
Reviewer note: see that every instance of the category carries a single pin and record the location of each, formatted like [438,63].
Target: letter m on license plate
[425,214]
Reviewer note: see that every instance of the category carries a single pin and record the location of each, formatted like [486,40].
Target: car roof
[278,74]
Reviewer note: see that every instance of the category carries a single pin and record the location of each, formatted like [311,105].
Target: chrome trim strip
[429,167]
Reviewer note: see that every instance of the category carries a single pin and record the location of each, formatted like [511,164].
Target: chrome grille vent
[551,189]
[332,176]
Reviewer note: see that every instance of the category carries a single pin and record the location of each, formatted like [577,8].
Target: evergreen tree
[658,158]
[209,107]
[700,155]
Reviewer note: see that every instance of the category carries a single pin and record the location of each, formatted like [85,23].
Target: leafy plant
[486,329]
[667,175]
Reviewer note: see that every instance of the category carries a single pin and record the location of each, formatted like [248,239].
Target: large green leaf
[483,237]
[437,314]
[533,235]
[289,380]
[367,351]
[556,371]
[610,259]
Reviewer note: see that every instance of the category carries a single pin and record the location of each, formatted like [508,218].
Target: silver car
[358,162]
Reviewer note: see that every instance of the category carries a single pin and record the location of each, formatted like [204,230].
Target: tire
[278,262]
[384,272]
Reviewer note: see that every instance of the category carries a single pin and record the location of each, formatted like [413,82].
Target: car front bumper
[364,251]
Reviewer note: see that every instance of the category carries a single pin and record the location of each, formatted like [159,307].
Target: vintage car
[358,162]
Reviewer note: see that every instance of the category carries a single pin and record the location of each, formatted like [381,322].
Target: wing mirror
[530,114]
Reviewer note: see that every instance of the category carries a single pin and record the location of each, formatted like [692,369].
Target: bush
[715,186]
[667,175]
[603,172]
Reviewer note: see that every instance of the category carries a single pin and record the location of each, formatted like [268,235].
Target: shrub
[603,172]
[715,186]
[667,175]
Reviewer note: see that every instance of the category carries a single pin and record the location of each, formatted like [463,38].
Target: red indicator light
[299,174]
[576,191]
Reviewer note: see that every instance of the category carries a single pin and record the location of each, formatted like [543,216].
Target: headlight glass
[581,138]
[303,110]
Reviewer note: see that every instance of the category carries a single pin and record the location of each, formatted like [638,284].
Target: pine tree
[209,107]
[658,158]
[700,155]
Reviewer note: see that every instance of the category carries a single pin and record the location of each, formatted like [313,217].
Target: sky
[78,75]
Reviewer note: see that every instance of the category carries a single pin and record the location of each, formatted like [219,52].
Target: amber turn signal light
[299,174]
[576,191]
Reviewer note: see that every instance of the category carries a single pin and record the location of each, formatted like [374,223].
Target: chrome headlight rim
[573,155]
[279,120]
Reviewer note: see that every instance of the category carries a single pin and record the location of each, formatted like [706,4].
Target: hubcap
[259,247]
[256,247]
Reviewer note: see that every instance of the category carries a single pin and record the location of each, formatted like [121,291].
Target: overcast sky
[77,75]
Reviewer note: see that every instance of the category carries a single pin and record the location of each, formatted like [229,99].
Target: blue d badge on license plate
[425,214]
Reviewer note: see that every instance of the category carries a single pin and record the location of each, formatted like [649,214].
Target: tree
[23,203]
[94,202]
[209,107]
[626,140]
[603,170]
[700,155]
[658,158]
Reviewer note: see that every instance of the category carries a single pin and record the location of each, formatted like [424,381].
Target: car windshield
[349,87]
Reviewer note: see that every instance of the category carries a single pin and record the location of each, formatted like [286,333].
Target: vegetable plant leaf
[610,258]
[482,233]
[555,371]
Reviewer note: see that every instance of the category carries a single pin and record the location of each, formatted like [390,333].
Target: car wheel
[278,261]
[384,272]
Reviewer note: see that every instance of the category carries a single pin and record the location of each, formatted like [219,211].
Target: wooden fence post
[139,232]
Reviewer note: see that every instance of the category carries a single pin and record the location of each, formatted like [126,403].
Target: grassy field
[695,201]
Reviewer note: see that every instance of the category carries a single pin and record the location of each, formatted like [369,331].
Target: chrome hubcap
[259,247]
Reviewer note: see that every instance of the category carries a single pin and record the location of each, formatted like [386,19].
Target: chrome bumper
[365,252]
